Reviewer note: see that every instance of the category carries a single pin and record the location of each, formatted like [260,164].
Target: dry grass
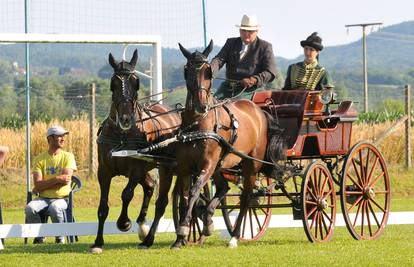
[392,147]
[78,142]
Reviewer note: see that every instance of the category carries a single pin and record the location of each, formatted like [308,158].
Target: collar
[311,65]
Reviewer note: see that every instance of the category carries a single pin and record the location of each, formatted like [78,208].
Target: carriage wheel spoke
[368,219]
[382,192]
[373,213]
[325,182]
[362,168]
[316,217]
[244,224]
[366,166]
[324,224]
[251,223]
[363,218]
[355,183]
[311,212]
[377,178]
[320,225]
[356,203]
[376,204]
[327,193]
[312,188]
[357,173]
[372,169]
[311,202]
[357,213]
[318,193]
[257,220]
[327,216]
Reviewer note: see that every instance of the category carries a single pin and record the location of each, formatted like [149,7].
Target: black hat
[313,41]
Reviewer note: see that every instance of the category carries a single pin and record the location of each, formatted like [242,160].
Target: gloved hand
[248,82]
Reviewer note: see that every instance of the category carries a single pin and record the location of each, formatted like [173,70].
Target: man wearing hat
[308,74]
[249,60]
[52,172]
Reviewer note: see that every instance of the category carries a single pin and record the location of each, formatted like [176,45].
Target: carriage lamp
[327,95]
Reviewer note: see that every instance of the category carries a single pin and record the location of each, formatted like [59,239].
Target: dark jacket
[258,62]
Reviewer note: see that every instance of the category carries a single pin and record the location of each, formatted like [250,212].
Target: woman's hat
[313,41]
[249,23]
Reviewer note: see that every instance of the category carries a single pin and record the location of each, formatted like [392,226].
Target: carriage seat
[287,104]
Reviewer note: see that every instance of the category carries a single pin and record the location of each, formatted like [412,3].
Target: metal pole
[26,30]
[408,163]
[204,23]
[157,77]
[92,116]
[364,58]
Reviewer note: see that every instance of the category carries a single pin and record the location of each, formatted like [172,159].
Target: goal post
[154,40]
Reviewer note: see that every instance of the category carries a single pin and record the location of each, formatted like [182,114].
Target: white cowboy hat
[249,23]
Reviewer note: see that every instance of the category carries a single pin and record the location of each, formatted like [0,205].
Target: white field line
[165,226]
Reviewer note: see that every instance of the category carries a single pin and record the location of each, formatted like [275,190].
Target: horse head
[198,76]
[124,87]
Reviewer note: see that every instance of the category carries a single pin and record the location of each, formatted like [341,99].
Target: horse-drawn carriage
[284,149]
[320,164]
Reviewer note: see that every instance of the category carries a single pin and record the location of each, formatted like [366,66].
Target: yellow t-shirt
[51,166]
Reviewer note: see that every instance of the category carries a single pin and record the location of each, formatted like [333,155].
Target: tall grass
[78,141]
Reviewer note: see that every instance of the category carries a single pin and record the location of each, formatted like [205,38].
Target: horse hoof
[201,240]
[124,226]
[143,231]
[143,247]
[208,229]
[95,250]
[233,242]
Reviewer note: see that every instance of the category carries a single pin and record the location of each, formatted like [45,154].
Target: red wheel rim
[257,217]
[365,192]
[318,203]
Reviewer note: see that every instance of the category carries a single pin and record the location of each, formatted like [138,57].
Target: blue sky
[285,23]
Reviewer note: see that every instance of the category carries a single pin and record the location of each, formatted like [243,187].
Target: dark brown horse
[242,124]
[131,125]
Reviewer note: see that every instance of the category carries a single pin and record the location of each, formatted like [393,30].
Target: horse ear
[134,58]
[112,61]
[208,49]
[185,52]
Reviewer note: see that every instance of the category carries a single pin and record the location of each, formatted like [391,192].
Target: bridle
[124,76]
[198,66]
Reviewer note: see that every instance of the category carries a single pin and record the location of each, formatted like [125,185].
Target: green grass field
[279,247]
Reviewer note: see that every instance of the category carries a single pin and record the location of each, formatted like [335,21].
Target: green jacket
[307,76]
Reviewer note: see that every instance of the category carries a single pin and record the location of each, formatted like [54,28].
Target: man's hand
[64,179]
[249,82]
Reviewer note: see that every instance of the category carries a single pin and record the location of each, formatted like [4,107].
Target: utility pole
[364,58]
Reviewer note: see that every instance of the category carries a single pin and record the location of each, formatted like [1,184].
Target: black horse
[131,125]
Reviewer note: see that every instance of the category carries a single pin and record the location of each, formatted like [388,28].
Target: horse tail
[276,146]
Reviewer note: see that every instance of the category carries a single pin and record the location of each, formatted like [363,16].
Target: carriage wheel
[196,224]
[365,192]
[257,217]
[318,199]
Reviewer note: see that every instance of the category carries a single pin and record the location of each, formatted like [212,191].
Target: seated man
[249,60]
[52,172]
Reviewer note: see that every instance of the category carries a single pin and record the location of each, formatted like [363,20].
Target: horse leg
[202,179]
[162,201]
[124,223]
[104,184]
[148,188]
[248,181]
[222,188]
